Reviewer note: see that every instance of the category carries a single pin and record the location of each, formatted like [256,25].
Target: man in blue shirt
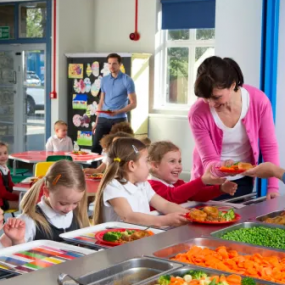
[118,96]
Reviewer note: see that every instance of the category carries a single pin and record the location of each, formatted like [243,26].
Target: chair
[41,168]
[21,171]
[59,157]
[12,212]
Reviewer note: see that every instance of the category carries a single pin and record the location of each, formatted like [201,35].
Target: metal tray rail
[129,272]
[269,215]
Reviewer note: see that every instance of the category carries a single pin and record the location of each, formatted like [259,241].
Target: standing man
[118,95]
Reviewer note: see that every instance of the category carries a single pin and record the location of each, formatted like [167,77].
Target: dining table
[34,156]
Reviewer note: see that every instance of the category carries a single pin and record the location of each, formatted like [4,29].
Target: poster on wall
[75,70]
[84,138]
[79,101]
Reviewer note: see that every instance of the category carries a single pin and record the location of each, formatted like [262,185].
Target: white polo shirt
[58,220]
[56,144]
[138,196]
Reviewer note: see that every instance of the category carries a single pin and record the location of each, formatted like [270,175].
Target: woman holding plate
[229,122]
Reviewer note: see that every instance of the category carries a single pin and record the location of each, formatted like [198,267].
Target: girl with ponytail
[62,208]
[124,193]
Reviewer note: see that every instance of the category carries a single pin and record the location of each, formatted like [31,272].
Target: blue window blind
[188,14]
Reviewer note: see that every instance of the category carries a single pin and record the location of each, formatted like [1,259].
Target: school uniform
[59,223]
[6,188]
[181,191]
[138,196]
[56,144]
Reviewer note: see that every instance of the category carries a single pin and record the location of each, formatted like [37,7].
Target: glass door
[33,119]
[22,88]
[9,90]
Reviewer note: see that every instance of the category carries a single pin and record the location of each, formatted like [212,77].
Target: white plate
[18,258]
[27,180]
[86,236]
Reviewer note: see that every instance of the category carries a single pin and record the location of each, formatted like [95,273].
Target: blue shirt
[116,93]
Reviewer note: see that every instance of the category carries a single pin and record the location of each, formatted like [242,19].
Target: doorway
[23,96]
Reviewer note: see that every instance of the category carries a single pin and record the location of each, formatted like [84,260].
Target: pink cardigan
[208,137]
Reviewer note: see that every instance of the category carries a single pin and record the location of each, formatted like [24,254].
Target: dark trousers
[103,128]
[245,186]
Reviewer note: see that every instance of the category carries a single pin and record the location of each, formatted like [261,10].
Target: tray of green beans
[266,235]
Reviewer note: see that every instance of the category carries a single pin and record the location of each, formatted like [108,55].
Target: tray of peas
[266,235]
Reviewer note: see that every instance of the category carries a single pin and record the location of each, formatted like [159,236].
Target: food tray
[86,236]
[128,272]
[246,225]
[213,243]
[210,272]
[35,255]
[270,215]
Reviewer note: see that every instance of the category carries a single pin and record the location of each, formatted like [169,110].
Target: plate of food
[105,112]
[95,176]
[80,152]
[212,215]
[30,180]
[114,237]
[236,168]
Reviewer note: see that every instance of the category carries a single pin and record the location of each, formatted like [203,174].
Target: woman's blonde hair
[157,150]
[122,151]
[62,173]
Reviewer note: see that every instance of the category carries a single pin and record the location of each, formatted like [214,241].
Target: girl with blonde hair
[62,208]
[124,193]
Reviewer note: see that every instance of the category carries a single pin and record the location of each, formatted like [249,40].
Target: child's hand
[229,187]
[175,219]
[228,162]
[1,218]
[209,179]
[15,230]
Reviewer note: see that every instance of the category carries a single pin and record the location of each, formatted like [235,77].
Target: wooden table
[39,156]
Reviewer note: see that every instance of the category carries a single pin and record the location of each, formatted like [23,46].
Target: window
[181,54]
[7,28]
[32,23]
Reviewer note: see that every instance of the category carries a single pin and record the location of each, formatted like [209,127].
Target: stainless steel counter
[146,246]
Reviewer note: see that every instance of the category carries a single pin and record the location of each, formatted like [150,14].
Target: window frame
[192,43]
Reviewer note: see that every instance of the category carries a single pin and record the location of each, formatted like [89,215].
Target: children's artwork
[88,70]
[27,258]
[122,68]
[95,68]
[87,83]
[96,87]
[81,86]
[76,86]
[75,70]
[84,138]
[79,102]
[81,121]
[92,108]
[105,70]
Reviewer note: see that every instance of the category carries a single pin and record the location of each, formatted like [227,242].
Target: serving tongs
[66,279]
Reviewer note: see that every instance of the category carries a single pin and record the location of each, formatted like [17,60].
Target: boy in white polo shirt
[60,141]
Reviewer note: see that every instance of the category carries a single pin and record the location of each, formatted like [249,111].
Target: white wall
[238,35]
[280,107]
[114,20]
[75,33]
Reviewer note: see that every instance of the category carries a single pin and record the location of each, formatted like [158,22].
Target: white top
[58,220]
[151,177]
[56,144]
[138,196]
[235,145]
[4,169]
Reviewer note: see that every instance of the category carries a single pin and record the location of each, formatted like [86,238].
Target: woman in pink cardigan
[229,121]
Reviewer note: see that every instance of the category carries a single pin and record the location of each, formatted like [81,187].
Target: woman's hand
[15,230]
[272,195]
[229,187]
[209,179]
[265,170]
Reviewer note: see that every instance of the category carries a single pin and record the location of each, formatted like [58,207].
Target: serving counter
[143,247]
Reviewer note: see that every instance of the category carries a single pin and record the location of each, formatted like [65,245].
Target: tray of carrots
[267,267]
[236,168]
